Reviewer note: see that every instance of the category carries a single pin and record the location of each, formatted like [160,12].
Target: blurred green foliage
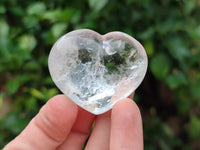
[169,97]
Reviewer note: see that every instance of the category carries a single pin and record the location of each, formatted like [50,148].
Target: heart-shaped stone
[96,71]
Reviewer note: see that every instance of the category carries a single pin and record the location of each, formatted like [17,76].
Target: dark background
[169,30]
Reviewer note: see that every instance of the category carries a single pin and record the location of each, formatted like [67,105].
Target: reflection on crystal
[96,71]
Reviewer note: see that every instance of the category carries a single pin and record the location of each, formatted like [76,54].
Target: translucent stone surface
[95,71]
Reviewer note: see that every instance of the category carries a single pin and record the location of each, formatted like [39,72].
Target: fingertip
[126,105]
[126,126]
[126,111]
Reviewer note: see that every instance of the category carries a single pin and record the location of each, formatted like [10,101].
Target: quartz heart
[96,71]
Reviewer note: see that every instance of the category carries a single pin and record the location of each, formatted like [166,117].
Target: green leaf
[149,47]
[31,66]
[176,79]
[30,103]
[195,32]
[50,93]
[147,34]
[167,130]
[160,65]
[4,29]
[58,29]
[195,89]
[13,85]
[67,14]
[36,8]
[30,22]
[59,15]
[36,93]
[183,103]
[163,144]
[178,49]
[2,9]
[1,100]
[17,10]
[48,81]
[97,5]
[166,26]
[189,6]
[76,17]
[89,25]
[194,128]
[13,123]
[52,15]
[27,42]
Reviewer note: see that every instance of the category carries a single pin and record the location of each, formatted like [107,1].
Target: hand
[62,125]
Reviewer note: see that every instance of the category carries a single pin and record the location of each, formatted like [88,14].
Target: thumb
[49,128]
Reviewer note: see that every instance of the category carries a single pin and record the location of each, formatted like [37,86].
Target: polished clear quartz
[96,71]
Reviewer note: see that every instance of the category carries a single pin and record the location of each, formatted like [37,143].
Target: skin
[62,125]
